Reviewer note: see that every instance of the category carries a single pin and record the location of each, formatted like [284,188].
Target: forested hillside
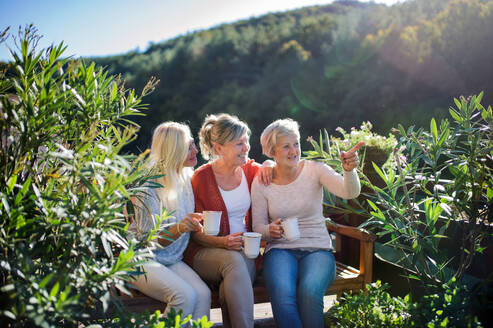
[325,66]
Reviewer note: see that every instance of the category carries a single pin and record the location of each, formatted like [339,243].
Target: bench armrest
[353,232]
[366,239]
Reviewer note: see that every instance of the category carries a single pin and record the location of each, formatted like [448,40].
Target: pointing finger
[356,147]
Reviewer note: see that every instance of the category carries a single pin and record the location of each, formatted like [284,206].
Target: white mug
[291,230]
[212,220]
[251,244]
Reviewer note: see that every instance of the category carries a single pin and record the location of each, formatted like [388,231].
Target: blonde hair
[279,128]
[169,150]
[221,129]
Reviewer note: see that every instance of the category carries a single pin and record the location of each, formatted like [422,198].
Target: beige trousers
[178,286]
[235,274]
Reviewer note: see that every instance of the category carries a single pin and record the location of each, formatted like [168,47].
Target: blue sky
[104,27]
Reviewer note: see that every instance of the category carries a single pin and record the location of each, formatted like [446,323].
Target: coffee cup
[251,244]
[212,220]
[291,230]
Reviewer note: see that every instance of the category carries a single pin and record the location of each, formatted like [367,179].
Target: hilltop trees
[334,65]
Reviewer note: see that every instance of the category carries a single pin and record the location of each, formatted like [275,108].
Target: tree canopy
[325,66]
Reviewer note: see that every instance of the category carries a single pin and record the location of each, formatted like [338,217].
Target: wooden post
[366,262]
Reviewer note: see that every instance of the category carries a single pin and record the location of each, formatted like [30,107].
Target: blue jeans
[297,281]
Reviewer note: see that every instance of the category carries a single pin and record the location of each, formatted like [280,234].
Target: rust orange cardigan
[208,198]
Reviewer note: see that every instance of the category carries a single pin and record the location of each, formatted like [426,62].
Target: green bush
[450,306]
[438,176]
[444,176]
[63,187]
[376,308]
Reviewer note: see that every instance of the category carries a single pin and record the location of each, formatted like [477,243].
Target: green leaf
[415,244]
[433,130]
[380,173]
[327,140]
[443,137]
[372,204]
[20,222]
[479,98]
[22,192]
[45,280]
[11,183]
[455,115]
[402,130]
[457,103]
[55,289]
[439,236]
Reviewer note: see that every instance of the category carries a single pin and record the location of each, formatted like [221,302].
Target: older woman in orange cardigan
[224,185]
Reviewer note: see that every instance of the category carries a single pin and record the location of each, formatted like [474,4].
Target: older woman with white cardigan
[298,272]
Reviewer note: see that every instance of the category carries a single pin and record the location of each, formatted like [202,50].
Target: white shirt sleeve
[346,186]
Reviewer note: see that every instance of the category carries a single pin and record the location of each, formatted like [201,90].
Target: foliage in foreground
[439,177]
[63,187]
[450,306]
[374,309]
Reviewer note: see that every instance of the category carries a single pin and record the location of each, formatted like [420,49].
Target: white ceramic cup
[291,230]
[212,219]
[251,244]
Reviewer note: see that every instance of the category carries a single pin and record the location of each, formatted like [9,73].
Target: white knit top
[301,198]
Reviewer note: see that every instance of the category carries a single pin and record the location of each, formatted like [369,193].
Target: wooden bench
[347,277]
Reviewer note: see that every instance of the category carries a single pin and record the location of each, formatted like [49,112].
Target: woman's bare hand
[191,223]
[350,158]
[234,241]
[266,172]
[275,229]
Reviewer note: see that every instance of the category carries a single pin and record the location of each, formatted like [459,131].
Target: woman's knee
[184,298]
[234,261]
[203,292]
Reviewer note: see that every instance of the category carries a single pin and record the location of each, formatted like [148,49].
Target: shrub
[446,176]
[438,176]
[450,306]
[376,308]
[63,187]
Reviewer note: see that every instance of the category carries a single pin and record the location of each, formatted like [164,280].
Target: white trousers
[178,286]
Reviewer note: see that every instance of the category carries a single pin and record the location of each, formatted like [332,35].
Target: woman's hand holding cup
[191,222]
[275,229]
[233,241]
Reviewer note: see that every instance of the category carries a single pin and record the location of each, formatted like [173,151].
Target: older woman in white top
[167,278]
[298,272]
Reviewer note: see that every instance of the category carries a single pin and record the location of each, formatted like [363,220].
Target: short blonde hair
[222,128]
[169,150]
[279,128]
